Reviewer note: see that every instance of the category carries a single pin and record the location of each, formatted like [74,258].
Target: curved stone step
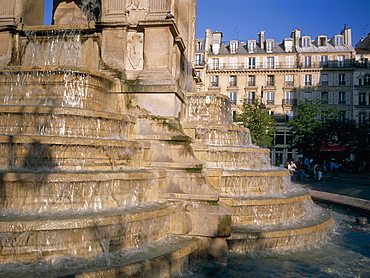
[300,235]
[166,258]
[31,237]
[40,153]
[72,87]
[221,135]
[78,191]
[251,183]
[233,157]
[208,108]
[265,211]
[67,122]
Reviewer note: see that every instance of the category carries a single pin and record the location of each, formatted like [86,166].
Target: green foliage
[259,122]
[315,125]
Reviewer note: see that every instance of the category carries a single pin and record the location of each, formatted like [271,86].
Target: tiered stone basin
[267,210]
[74,185]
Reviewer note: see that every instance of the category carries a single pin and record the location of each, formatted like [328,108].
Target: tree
[315,125]
[260,123]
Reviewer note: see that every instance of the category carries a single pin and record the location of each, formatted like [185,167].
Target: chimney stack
[261,37]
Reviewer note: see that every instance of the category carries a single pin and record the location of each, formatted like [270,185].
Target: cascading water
[94,185]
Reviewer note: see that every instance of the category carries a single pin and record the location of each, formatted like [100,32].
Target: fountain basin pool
[346,254]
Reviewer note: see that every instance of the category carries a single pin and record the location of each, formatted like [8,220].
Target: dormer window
[338,40]
[269,46]
[251,46]
[306,41]
[322,41]
[288,45]
[233,47]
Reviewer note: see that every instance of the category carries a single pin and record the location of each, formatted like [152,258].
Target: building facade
[282,74]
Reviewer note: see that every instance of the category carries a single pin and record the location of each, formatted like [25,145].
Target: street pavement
[352,185]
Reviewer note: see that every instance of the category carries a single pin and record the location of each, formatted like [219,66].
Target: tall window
[324,79]
[233,47]
[270,46]
[232,81]
[325,97]
[342,98]
[324,61]
[339,40]
[362,99]
[306,41]
[251,80]
[308,80]
[270,62]
[367,79]
[270,80]
[270,98]
[341,61]
[289,98]
[198,59]
[233,63]
[289,80]
[214,80]
[322,41]
[252,63]
[215,63]
[251,46]
[362,119]
[307,95]
[342,79]
[289,62]
[251,97]
[307,61]
[232,96]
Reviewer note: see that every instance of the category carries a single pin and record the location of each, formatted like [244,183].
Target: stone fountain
[111,166]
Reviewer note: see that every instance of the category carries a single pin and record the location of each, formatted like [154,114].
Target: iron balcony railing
[282,65]
[199,63]
[284,118]
[290,101]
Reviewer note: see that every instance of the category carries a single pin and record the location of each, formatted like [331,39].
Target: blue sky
[243,19]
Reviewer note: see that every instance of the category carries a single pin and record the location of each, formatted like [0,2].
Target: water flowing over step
[268,212]
[165,258]
[29,237]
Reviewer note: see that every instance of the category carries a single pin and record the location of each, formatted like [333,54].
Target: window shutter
[302,79]
[333,96]
[348,98]
[347,79]
[348,115]
[221,62]
[264,62]
[276,61]
[257,62]
[330,79]
[246,62]
[314,80]
[336,76]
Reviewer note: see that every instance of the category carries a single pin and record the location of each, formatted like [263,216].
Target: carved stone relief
[135,50]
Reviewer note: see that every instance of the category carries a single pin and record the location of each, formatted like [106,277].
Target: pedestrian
[319,170]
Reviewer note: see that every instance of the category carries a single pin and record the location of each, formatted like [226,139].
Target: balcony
[249,101]
[289,83]
[290,101]
[281,65]
[200,63]
[214,84]
[270,102]
[284,118]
